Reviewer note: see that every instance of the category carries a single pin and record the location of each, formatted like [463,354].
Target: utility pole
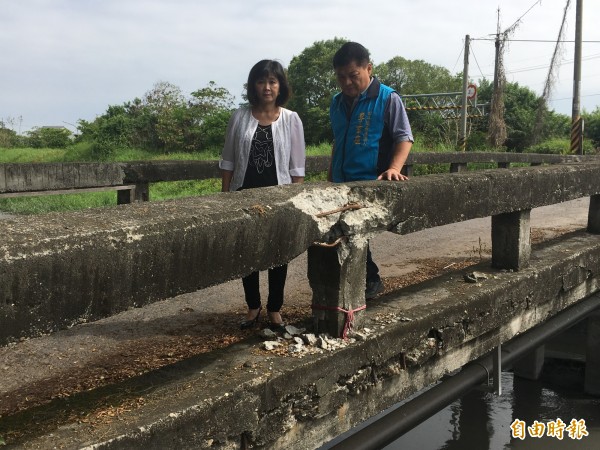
[463,113]
[497,54]
[576,120]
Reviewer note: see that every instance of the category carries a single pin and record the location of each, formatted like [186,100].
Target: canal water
[482,420]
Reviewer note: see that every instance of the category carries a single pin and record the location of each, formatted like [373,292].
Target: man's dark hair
[351,52]
[265,68]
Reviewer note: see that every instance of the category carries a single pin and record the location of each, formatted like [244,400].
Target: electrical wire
[458,59]
[552,41]
[476,62]
[519,19]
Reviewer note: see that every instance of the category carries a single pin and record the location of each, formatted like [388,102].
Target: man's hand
[392,174]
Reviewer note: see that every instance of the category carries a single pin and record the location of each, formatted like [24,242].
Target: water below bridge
[481,420]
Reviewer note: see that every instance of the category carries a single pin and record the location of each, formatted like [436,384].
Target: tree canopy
[165,119]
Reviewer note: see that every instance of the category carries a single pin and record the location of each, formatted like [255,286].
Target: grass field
[81,153]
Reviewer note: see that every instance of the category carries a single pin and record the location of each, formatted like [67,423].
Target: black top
[261,170]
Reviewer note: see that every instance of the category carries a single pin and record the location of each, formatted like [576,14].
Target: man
[372,135]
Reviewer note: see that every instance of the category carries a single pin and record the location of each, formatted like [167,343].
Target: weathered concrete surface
[492,157]
[30,177]
[54,176]
[299,403]
[58,269]
[337,279]
[511,240]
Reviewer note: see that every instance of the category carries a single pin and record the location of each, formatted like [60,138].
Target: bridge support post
[511,241]
[531,365]
[594,214]
[591,383]
[337,277]
[458,167]
[141,193]
[497,367]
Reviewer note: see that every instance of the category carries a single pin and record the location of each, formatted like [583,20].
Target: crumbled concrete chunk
[270,345]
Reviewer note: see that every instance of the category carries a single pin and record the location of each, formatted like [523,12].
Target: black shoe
[252,322]
[373,288]
[277,327]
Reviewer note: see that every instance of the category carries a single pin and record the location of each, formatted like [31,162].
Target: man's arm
[330,170]
[397,122]
[400,153]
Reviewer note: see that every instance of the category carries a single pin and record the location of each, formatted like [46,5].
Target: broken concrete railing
[62,268]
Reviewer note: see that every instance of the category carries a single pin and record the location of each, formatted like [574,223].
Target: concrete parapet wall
[55,176]
[59,269]
[17,177]
[426,331]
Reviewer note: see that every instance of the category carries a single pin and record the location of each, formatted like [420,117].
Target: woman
[264,146]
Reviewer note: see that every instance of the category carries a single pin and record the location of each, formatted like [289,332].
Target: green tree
[410,77]
[520,110]
[591,128]
[163,120]
[51,137]
[313,85]
[166,103]
[210,108]
[8,137]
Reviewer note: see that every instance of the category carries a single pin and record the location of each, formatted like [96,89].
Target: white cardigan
[288,142]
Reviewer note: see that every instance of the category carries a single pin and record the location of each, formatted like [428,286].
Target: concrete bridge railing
[131,180]
[59,269]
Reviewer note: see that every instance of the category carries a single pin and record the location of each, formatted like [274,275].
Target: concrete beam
[55,176]
[17,177]
[59,269]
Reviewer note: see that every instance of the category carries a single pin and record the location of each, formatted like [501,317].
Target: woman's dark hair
[351,52]
[265,68]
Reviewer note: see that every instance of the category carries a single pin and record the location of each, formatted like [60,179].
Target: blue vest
[357,139]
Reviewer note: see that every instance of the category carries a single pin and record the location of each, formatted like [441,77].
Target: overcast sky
[65,60]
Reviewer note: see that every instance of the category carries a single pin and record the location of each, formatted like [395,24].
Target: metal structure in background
[448,104]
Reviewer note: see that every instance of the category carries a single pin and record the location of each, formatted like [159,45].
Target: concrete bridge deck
[88,355]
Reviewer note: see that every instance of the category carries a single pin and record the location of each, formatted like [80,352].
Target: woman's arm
[226,176]
[297,149]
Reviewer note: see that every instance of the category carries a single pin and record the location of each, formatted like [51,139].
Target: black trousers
[277,276]
[372,269]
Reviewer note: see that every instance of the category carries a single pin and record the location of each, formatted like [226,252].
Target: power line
[571,98]
[524,14]
[458,59]
[476,62]
[545,66]
[534,40]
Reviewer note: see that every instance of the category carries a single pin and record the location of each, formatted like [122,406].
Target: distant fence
[131,180]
